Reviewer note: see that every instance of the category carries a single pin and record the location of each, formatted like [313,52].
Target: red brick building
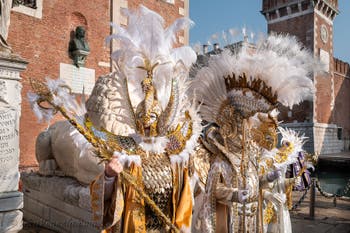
[326,119]
[40,32]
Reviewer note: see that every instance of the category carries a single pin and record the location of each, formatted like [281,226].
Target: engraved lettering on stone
[78,78]
[8,150]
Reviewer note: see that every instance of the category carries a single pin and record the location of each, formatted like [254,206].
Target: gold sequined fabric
[157,178]
[201,162]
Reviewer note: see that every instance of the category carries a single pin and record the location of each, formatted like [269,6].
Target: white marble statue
[56,150]
[5,7]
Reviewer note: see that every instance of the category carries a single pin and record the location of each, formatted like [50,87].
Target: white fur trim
[151,144]
[126,159]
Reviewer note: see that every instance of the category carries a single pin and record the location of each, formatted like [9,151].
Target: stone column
[11,200]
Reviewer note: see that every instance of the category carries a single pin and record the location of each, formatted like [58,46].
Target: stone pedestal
[58,203]
[11,201]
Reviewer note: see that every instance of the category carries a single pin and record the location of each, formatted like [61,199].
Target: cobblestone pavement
[32,228]
[328,218]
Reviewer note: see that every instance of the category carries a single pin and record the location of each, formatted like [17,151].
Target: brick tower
[311,21]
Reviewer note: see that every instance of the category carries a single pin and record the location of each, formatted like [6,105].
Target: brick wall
[301,27]
[341,114]
[326,119]
[268,4]
[324,84]
[44,44]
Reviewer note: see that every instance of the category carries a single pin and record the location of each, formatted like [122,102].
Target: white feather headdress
[278,70]
[146,38]
[296,140]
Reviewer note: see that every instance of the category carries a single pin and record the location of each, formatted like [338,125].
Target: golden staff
[103,151]
[243,170]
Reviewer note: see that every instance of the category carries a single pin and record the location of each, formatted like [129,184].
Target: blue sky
[213,17]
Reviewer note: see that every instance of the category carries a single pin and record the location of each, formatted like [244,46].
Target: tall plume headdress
[278,70]
[151,73]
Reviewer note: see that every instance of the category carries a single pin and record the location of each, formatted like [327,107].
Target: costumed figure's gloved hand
[243,195]
[275,198]
[113,167]
[240,196]
[227,195]
[273,175]
[290,181]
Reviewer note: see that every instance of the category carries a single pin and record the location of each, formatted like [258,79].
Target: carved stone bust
[78,47]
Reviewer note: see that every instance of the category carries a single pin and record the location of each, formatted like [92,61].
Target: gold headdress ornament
[243,95]
[148,111]
[151,120]
[256,85]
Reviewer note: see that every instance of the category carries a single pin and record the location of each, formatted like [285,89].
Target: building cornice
[296,8]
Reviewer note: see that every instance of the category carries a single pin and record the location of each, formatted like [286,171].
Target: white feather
[296,140]
[40,113]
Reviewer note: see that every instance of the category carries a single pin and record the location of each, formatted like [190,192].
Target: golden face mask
[265,135]
[147,120]
[151,119]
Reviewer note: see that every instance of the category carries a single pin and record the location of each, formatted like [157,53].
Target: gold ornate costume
[239,92]
[165,131]
[233,143]
[153,193]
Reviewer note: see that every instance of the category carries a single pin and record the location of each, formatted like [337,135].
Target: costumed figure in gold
[278,194]
[146,186]
[239,94]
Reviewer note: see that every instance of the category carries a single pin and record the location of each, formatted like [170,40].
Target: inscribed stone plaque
[78,78]
[9,150]
[324,57]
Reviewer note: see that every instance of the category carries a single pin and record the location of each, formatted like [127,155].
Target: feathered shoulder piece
[278,69]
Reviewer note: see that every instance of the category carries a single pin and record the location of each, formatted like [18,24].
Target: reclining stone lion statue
[56,150]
